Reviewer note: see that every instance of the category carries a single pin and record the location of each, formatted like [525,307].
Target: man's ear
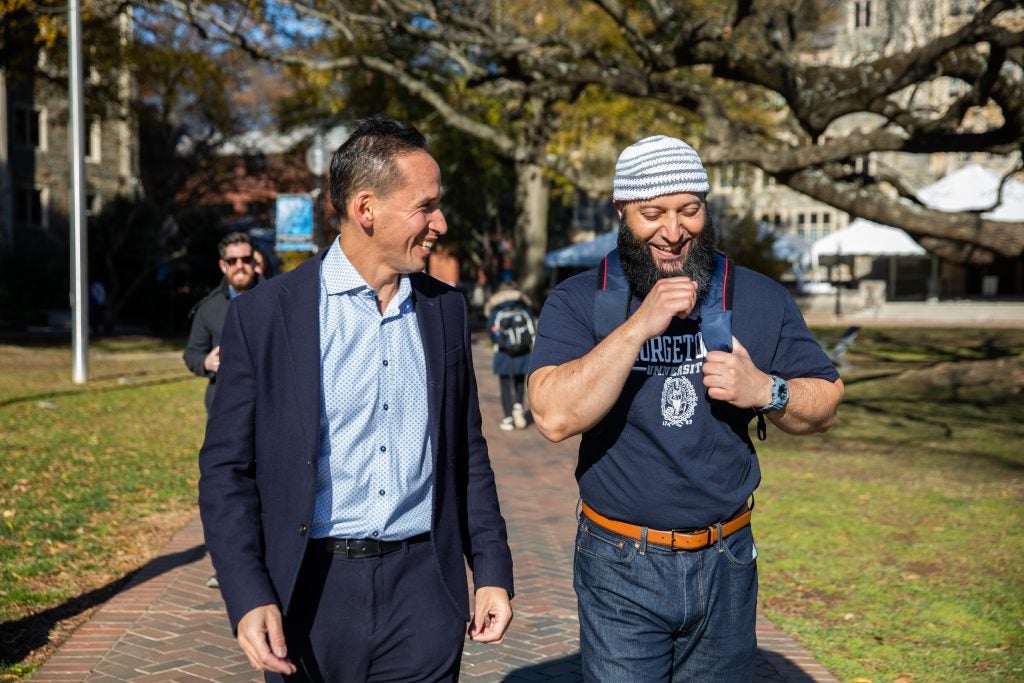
[362,208]
[619,207]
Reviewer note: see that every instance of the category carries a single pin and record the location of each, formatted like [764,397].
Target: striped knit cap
[657,166]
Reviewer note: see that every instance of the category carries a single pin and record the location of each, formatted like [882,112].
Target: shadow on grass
[19,637]
[42,396]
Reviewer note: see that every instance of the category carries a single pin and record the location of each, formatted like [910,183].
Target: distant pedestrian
[97,308]
[202,353]
[510,321]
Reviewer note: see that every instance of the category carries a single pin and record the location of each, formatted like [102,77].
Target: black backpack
[513,329]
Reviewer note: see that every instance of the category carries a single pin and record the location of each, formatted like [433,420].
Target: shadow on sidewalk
[18,638]
[560,669]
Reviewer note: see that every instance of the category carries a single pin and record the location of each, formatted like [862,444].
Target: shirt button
[303,529]
[385,363]
[385,406]
[376,533]
[383,449]
[381,492]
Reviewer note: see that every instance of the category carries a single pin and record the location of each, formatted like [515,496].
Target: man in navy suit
[344,476]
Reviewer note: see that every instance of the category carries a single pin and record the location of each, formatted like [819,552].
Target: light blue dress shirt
[373,475]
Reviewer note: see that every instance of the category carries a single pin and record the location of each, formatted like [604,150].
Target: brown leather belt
[676,540]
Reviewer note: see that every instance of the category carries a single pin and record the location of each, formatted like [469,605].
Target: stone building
[35,166]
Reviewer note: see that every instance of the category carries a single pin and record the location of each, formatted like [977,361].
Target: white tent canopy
[583,255]
[975,187]
[866,238]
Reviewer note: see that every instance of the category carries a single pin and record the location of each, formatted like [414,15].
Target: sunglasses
[247,260]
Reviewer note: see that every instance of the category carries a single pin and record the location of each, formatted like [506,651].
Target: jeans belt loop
[643,540]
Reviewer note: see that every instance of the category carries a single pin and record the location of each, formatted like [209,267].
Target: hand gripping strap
[611,301]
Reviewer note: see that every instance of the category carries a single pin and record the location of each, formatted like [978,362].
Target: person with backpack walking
[510,322]
[661,358]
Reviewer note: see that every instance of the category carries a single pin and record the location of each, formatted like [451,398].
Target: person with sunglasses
[202,353]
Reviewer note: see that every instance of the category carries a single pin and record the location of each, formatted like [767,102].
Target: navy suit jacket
[258,461]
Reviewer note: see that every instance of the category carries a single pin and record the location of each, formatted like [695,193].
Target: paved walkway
[167,626]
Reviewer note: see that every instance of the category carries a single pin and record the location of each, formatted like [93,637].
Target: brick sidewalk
[167,626]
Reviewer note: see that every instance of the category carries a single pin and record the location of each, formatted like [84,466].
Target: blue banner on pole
[293,222]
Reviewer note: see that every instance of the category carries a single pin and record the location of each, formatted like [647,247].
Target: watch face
[783,390]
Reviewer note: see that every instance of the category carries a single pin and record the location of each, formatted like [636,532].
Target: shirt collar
[341,277]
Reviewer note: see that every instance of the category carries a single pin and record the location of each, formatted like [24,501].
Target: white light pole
[79,234]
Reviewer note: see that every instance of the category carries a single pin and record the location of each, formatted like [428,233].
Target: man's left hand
[492,615]
[733,377]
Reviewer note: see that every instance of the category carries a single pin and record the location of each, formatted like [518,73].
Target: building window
[93,142]
[29,127]
[814,234]
[862,14]
[28,207]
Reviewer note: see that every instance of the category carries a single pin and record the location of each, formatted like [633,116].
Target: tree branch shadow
[42,396]
[20,637]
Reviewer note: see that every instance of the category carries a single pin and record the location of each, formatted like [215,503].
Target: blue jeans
[652,614]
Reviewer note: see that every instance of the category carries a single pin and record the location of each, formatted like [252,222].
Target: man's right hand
[212,361]
[261,635]
[670,297]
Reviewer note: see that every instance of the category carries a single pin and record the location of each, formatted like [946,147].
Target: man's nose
[438,223]
[673,230]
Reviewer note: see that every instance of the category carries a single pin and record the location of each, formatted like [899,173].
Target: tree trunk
[531,229]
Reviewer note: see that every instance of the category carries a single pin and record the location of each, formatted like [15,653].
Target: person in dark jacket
[511,360]
[202,353]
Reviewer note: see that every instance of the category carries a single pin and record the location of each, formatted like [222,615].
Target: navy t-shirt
[666,456]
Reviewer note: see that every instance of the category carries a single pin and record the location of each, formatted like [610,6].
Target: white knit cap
[657,166]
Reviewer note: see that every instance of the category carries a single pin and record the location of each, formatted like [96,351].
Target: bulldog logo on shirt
[678,402]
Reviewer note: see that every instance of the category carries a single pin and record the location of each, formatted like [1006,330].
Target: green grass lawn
[94,479]
[891,546]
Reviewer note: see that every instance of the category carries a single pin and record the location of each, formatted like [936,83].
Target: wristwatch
[780,395]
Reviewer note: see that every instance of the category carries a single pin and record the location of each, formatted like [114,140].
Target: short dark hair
[366,160]
[232,238]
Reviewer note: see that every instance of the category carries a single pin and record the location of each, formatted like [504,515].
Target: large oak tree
[513,74]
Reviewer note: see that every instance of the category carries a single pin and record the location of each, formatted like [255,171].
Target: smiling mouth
[666,251]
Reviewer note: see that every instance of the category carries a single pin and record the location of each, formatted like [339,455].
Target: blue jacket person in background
[665,571]
[345,481]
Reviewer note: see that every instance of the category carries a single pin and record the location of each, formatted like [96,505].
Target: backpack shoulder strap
[611,297]
[716,306]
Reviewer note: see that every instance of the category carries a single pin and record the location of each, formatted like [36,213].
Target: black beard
[642,272]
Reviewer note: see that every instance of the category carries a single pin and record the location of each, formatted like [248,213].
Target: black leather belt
[358,548]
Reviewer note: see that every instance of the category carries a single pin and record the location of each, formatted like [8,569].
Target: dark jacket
[258,462]
[207,323]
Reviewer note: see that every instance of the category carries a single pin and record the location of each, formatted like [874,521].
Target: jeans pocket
[740,548]
[593,541]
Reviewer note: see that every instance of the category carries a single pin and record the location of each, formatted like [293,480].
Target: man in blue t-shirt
[665,570]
